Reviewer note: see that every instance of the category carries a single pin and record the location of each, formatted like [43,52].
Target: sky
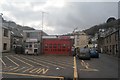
[60,16]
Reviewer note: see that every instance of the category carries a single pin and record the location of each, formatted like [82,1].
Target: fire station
[57,44]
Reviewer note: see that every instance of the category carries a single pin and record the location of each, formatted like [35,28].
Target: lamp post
[41,45]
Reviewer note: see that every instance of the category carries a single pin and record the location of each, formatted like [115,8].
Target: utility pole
[41,45]
[43,19]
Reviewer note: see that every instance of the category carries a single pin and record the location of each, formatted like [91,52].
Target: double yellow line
[40,76]
[75,70]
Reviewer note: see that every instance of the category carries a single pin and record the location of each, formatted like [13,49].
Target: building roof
[112,33]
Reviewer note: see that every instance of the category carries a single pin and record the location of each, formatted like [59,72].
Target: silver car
[84,53]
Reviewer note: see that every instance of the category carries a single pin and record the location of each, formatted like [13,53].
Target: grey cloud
[74,14]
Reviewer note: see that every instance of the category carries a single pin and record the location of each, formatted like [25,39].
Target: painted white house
[4,37]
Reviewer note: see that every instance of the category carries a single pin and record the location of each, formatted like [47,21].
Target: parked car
[94,53]
[19,49]
[84,53]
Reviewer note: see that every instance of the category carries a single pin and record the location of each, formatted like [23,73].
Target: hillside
[12,24]
[95,29]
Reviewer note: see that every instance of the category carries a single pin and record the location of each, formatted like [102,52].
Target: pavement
[57,67]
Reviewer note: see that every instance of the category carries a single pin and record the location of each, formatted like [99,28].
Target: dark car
[94,53]
[19,49]
[84,53]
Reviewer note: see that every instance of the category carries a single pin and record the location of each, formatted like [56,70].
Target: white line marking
[2,62]
[22,61]
[12,61]
[51,63]
[34,62]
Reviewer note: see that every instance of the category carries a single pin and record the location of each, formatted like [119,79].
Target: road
[54,66]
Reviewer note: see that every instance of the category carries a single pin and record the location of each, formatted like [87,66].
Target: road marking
[27,69]
[19,69]
[90,69]
[35,62]
[13,68]
[86,65]
[32,71]
[5,68]
[40,76]
[22,61]
[59,61]
[75,70]
[12,61]
[51,63]
[38,70]
[2,62]
[44,71]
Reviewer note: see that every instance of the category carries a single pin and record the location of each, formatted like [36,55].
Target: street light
[42,28]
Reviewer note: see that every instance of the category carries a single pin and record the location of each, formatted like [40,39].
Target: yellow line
[75,69]
[38,70]
[13,68]
[22,61]
[40,76]
[34,62]
[7,67]
[12,61]
[43,71]
[32,71]
[90,69]
[27,69]
[2,62]
[19,69]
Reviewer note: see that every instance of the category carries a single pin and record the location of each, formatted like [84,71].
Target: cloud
[59,19]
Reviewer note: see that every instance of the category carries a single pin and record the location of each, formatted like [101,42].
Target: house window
[5,46]
[28,35]
[116,36]
[116,48]
[30,45]
[35,45]
[5,32]
[110,39]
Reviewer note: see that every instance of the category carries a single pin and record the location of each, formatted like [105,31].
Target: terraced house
[110,43]
[4,37]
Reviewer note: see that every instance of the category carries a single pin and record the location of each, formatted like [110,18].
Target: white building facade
[4,37]
[32,41]
[81,39]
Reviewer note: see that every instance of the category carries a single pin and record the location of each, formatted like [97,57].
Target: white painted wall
[1,45]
